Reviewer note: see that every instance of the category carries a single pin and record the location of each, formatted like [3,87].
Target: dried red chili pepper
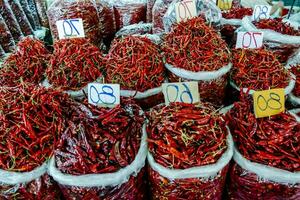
[26,64]
[237,13]
[10,20]
[6,39]
[160,8]
[70,9]
[258,69]
[273,141]
[277,25]
[282,51]
[20,15]
[246,185]
[296,71]
[74,64]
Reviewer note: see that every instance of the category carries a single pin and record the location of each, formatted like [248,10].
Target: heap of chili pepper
[186,135]
[194,46]
[277,25]
[135,63]
[258,69]
[27,63]
[272,141]
[237,13]
[247,185]
[31,121]
[296,71]
[74,63]
[99,140]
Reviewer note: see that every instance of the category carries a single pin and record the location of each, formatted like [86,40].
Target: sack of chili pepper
[189,151]
[274,30]
[41,8]
[26,64]
[250,65]
[194,51]
[135,29]
[102,153]
[10,20]
[73,64]
[6,39]
[159,9]
[129,12]
[136,64]
[31,120]
[34,13]
[74,9]
[29,15]
[150,5]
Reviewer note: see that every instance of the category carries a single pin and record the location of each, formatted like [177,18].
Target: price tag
[225,4]
[70,28]
[261,12]
[268,102]
[249,40]
[105,95]
[185,9]
[187,92]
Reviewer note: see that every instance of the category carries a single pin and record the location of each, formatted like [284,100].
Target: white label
[105,95]
[249,40]
[185,10]
[261,12]
[70,28]
[187,92]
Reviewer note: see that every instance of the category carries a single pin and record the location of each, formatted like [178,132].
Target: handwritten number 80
[264,104]
[106,96]
[186,91]
[262,10]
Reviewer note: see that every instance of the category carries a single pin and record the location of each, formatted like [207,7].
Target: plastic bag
[160,7]
[10,20]
[34,13]
[70,9]
[41,8]
[21,17]
[2,54]
[150,4]
[106,18]
[208,9]
[205,182]
[138,29]
[28,13]
[35,184]
[282,51]
[6,40]
[294,63]
[129,12]
[249,180]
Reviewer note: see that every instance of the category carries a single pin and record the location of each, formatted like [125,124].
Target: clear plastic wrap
[2,53]
[34,13]
[129,12]
[28,13]
[160,7]
[70,9]
[6,40]
[41,7]
[282,51]
[10,20]
[150,4]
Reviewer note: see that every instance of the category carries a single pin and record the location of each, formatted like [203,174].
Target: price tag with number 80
[186,92]
[70,28]
[268,102]
[261,12]
[105,95]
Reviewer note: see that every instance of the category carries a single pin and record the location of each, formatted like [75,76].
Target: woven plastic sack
[72,9]
[270,35]
[20,15]
[33,10]
[41,7]
[212,84]
[29,15]
[208,9]
[129,12]
[205,182]
[160,7]
[10,20]
[35,184]
[127,183]
[249,180]
[6,39]
[150,4]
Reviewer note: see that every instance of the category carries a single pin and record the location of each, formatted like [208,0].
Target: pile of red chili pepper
[26,64]
[237,13]
[258,69]
[74,63]
[135,63]
[194,46]
[31,120]
[296,71]
[246,185]
[273,141]
[277,25]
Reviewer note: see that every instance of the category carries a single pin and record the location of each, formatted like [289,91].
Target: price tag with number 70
[185,9]
[70,28]
[186,92]
[249,40]
[105,95]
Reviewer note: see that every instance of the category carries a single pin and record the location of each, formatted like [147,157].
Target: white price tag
[187,92]
[185,9]
[249,40]
[70,28]
[105,95]
[261,12]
